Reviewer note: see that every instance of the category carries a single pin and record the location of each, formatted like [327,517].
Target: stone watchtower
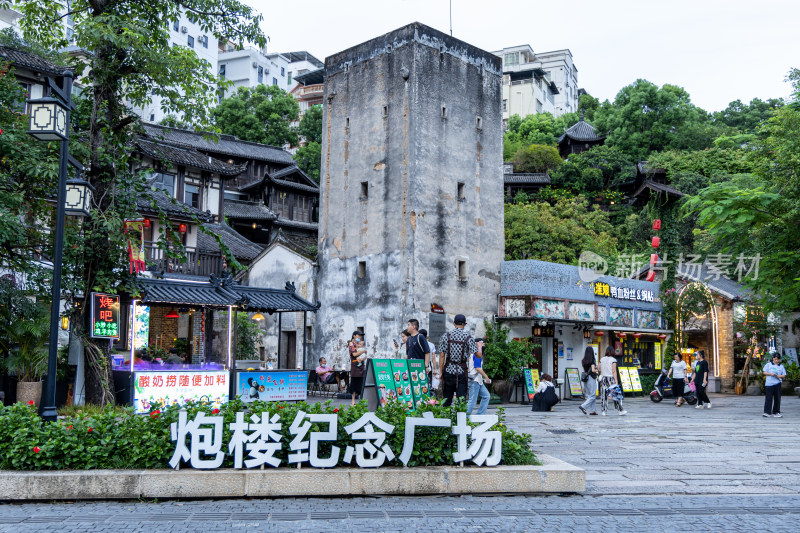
[411,206]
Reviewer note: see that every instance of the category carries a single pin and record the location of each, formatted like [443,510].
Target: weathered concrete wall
[408,116]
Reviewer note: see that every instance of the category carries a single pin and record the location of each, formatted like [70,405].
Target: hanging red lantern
[636,335]
[182,228]
[655,242]
[662,336]
[622,334]
[599,333]
[653,259]
[657,224]
[651,275]
[146,223]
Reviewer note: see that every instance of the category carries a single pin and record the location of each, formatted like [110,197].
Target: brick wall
[163,331]
[726,333]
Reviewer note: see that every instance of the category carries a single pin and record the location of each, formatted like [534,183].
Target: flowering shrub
[121,439]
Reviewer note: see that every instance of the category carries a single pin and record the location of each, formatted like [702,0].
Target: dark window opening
[362,269]
[462,271]
[461,196]
[364,190]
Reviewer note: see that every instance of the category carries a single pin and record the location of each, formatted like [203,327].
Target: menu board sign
[531,381]
[401,380]
[272,386]
[574,379]
[636,383]
[105,316]
[156,388]
[625,379]
[419,380]
[657,355]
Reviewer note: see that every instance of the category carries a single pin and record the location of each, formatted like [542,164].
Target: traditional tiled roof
[221,294]
[581,131]
[227,144]
[542,178]
[240,247]
[296,224]
[30,61]
[657,187]
[278,179]
[188,157]
[248,210]
[173,208]
[711,276]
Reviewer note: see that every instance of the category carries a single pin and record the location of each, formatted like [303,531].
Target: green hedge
[112,438]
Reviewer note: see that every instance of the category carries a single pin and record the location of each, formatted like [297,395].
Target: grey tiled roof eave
[248,210]
[188,157]
[296,224]
[526,178]
[173,208]
[20,58]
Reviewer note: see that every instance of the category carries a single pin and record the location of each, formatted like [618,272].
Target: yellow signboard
[635,381]
[657,354]
[625,379]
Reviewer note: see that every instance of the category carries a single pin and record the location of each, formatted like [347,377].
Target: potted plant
[27,358]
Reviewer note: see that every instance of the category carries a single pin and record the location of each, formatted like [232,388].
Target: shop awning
[182,292]
[219,292]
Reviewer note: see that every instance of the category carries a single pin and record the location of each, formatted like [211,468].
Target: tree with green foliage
[589,105]
[264,115]
[557,233]
[541,128]
[537,158]
[130,61]
[746,118]
[761,214]
[645,118]
[309,155]
[598,168]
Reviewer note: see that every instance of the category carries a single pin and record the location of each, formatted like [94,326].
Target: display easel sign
[531,381]
[636,383]
[382,371]
[574,379]
[419,380]
[657,355]
[625,379]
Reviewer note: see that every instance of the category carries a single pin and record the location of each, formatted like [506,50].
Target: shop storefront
[564,314]
[170,351]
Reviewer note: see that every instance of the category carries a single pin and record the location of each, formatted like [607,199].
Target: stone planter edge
[551,477]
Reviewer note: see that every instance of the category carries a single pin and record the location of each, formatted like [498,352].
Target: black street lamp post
[49,120]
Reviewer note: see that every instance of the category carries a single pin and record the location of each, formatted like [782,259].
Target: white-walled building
[300,63]
[249,67]
[183,32]
[538,82]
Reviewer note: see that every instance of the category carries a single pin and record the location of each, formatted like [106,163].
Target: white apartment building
[183,32]
[538,83]
[249,67]
[300,63]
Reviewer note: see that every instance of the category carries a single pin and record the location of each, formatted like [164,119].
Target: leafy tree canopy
[708,163]
[541,128]
[761,214]
[645,118]
[589,105]
[559,232]
[746,118]
[536,158]
[595,169]
[311,124]
[264,115]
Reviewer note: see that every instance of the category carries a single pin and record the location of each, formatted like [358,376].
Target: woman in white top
[608,378]
[678,372]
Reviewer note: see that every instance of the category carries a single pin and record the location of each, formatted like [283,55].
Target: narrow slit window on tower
[462,270]
[479,123]
[362,269]
[444,112]
[386,111]
[347,123]
[364,190]
[461,197]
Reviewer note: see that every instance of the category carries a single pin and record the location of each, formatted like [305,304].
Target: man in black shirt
[417,345]
[455,348]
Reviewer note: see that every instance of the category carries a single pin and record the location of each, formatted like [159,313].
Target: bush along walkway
[243,435]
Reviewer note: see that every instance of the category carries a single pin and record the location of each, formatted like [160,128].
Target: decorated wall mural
[620,316]
[549,308]
[581,311]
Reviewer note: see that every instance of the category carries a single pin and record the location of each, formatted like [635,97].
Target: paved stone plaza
[723,469]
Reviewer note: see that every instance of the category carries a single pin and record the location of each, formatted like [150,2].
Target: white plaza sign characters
[261,439]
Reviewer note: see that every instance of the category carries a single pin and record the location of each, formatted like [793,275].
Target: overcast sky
[718,50]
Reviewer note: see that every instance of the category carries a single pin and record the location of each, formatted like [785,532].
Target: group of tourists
[697,375]
[606,377]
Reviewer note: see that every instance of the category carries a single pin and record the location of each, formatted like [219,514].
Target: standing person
[455,347]
[678,371]
[477,378]
[417,345]
[400,349]
[701,380]
[432,349]
[357,356]
[774,372]
[590,388]
[608,378]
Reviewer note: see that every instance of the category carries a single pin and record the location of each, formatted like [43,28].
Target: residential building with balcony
[300,63]
[250,67]
[309,89]
[538,82]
